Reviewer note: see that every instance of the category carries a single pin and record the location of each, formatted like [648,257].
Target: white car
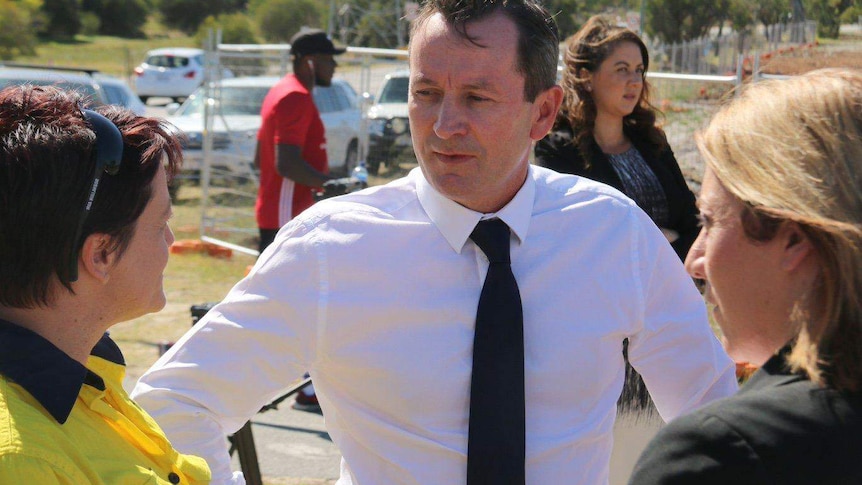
[171,72]
[237,120]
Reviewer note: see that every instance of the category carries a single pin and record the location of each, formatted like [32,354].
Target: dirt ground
[843,52]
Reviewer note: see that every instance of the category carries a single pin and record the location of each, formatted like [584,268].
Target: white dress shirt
[375,294]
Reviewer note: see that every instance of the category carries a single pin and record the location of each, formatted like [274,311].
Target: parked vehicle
[236,109]
[388,127]
[171,72]
[98,88]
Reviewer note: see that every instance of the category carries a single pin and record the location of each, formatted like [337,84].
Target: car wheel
[144,99]
[351,159]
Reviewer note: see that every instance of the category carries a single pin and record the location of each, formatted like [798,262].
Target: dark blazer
[557,152]
[779,429]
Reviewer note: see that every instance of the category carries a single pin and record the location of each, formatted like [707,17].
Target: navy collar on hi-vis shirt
[46,372]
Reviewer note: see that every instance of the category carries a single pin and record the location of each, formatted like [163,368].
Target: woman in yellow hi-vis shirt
[84,240]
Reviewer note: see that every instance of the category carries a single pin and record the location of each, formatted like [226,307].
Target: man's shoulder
[287,90]
[380,201]
[560,189]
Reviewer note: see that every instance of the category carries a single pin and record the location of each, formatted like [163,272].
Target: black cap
[312,41]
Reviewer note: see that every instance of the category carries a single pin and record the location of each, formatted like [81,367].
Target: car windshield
[234,101]
[395,90]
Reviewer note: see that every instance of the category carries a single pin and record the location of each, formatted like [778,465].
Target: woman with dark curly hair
[606,129]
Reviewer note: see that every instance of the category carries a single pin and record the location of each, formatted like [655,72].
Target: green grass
[112,55]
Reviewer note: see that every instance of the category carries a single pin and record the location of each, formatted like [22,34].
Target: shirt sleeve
[682,362]
[700,449]
[292,118]
[246,351]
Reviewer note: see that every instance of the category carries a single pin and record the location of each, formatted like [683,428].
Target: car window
[346,96]
[169,61]
[115,95]
[324,99]
[395,90]
[242,101]
[235,100]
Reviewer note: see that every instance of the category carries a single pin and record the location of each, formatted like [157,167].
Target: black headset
[108,155]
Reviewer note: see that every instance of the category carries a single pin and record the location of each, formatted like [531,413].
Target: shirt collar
[46,372]
[456,222]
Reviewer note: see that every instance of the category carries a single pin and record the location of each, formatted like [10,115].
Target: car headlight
[399,125]
[376,126]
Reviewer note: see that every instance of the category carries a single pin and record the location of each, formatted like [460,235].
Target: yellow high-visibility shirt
[64,423]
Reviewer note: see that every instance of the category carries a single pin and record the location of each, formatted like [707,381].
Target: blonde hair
[791,150]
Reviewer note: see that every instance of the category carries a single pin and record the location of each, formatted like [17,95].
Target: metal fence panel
[228,182]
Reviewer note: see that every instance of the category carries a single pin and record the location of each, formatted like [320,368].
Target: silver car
[236,120]
[98,89]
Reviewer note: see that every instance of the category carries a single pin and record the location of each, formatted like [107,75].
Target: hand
[334,187]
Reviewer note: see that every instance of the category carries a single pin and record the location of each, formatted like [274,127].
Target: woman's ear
[587,77]
[97,256]
[796,245]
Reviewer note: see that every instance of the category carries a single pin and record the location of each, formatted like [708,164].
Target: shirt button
[173,478]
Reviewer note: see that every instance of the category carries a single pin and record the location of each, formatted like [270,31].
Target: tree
[236,28]
[278,20]
[828,13]
[63,21]
[121,18]
[16,28]
[187,15]
[565,12]
[682,20]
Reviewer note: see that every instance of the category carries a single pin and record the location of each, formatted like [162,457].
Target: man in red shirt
[291,143]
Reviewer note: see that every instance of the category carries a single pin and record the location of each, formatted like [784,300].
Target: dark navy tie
[496,449]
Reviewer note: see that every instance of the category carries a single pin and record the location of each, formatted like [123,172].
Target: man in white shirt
[376,292]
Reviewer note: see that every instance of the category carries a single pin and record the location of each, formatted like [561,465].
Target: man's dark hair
[538,39]
[45,172]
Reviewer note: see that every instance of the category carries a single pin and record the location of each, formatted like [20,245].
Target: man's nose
[450,118]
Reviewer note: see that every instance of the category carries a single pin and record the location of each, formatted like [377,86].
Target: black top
[48,373]
[779,429]
[557,151]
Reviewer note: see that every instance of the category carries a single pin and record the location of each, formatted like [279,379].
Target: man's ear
[97,256]
[796,245]
[548,103]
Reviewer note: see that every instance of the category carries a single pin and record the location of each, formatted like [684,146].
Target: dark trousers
[266,238]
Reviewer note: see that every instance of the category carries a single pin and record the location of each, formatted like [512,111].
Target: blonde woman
[781,254]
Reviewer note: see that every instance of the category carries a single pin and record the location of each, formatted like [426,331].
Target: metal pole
[330,27]
[399,32]
[643,16]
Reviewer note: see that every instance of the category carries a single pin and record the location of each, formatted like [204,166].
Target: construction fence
[360,120]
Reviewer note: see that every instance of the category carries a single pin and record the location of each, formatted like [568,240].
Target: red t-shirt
[288,117]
